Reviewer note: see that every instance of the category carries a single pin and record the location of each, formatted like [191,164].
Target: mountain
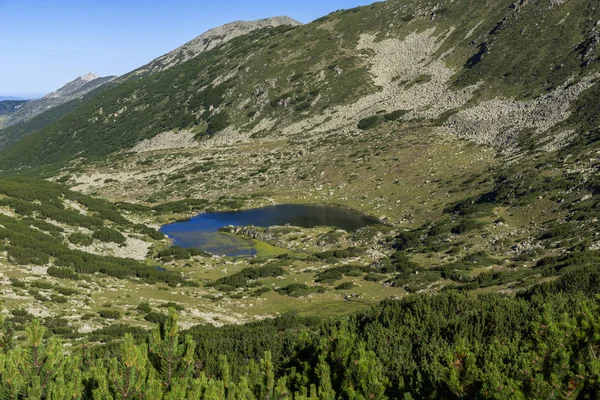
[12,134]
[72,90]
[449,67]
[3,98]
[10,106]
[207,41]
[56,105]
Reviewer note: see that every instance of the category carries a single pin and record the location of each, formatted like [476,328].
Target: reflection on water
[202,230]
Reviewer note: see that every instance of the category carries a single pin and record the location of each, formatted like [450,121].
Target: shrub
[369,122]
[198,252]
[156,317]
[395,115]
[17,283]
[41,284]
[80,239]
[63,273]
[66,291]
[344,253]
[144,307]
[355,272]
[58,299]
[374,277]
[303,106]
[174,252]
[109,313]
[109,235]
[241,278]
[217,123]
[345,286]
[467,225]
[151,232]
[174,305]
[299,290]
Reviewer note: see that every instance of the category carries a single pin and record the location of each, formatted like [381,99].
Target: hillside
[446,65]
[413,114]
[12,134]
[10,106]
[72,90]
[48,110]
[206,41]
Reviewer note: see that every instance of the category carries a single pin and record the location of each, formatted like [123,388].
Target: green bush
[17,283]
[156,317]
[395,115]
[109,313]
[66,291]
[174,305]
[345,286]
[217,123]
[63,273]
[242,278]
[58,299]
[41,284]
[467,225]
[374,277]
[144,307]
[80,239]
[109,235]
[299,290]
[369,122]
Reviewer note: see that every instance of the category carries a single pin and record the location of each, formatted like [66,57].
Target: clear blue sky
[46,43]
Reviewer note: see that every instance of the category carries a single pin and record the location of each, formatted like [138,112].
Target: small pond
[202,231]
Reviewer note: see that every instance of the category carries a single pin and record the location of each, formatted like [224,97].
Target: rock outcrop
[252,232]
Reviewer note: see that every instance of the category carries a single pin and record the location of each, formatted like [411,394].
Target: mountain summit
[78,87]
[207,41]
[72,90]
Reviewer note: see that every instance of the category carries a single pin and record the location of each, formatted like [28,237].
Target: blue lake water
[202,231]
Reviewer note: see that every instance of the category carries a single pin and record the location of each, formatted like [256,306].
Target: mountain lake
[202,231]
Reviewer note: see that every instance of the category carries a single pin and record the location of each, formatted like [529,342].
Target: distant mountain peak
[72,90]
[89,77]
[207,41]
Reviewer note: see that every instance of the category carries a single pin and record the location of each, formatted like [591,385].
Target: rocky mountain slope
[207,41]
[47,111]
[10,106]
[446,64]
[72,90]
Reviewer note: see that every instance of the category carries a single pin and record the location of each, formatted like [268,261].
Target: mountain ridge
[36,118]
[70,91]
[423,57]
[207,41]
[12,98]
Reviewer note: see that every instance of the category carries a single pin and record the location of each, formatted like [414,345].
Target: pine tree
[175,360]
[366,377]
[44,360]
[127,374]
[268,376]
[325,390]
